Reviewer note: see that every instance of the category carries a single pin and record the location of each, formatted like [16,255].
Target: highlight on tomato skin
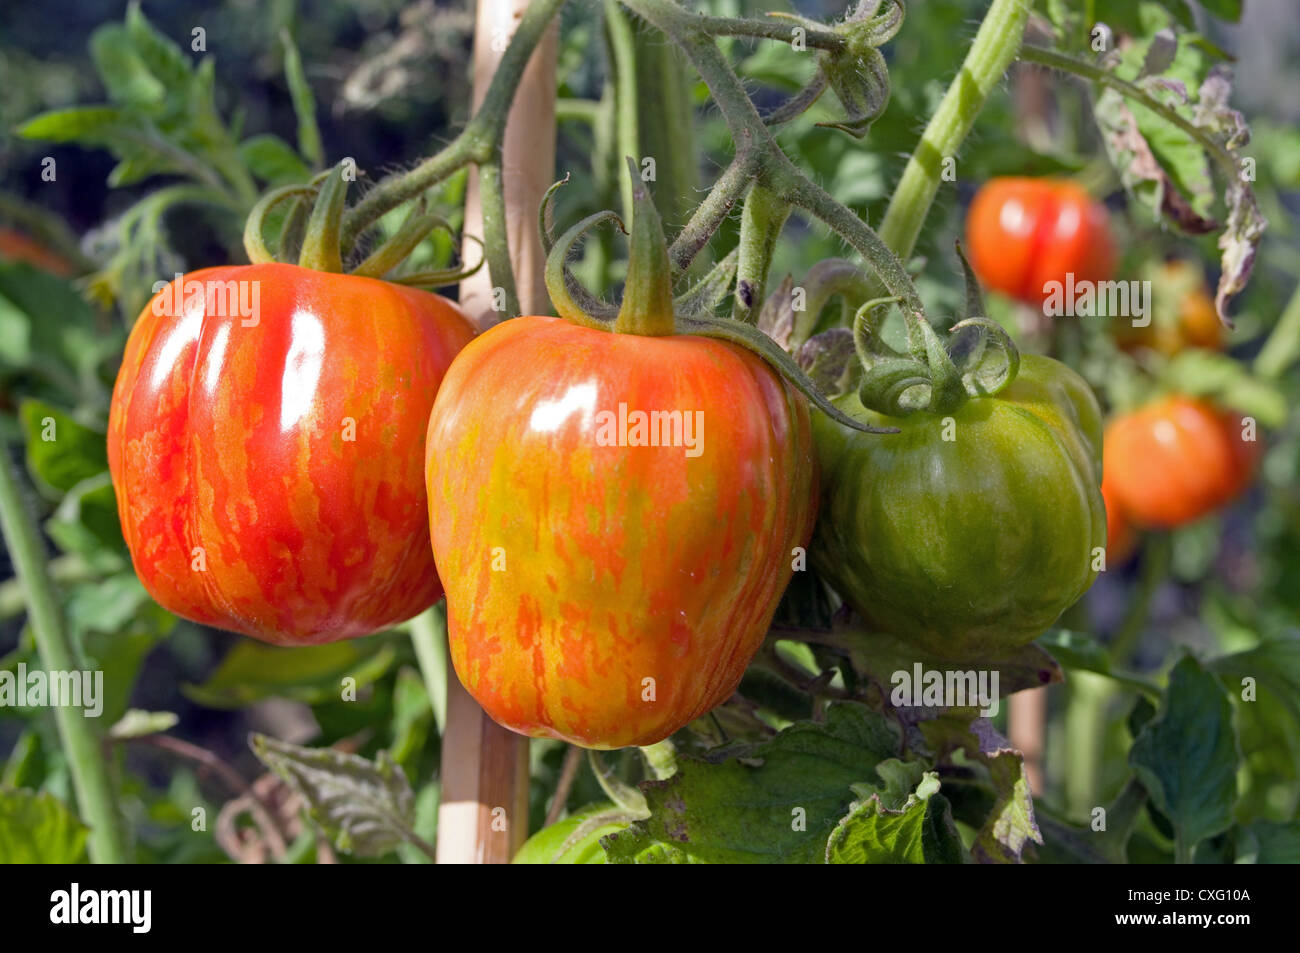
[600,591]
[265,439]
[1023,233]
[1178,459]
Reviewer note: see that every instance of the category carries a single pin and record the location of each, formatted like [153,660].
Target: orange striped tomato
[600,589]
[265,444]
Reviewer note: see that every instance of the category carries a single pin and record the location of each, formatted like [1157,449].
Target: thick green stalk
[1282,346]
[96,798]
[761,220]
[622,46]
[429,638]
[995,46]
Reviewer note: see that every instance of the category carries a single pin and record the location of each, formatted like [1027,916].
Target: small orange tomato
[1188,320]
[15,246]
[1023,233]
[1173,461]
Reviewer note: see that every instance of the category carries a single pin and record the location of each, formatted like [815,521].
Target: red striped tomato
[601,589]
[265,444]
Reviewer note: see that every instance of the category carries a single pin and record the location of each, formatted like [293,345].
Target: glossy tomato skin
[605,594]
[1176,460]
[975,544]
[1023,233]
[269,477]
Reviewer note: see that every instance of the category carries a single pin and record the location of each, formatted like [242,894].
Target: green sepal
[321,248]
[572,301]
[887,382]
[254,243]
[647,307]
[415,229]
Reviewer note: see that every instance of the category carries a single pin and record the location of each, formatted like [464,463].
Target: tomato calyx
[310,235]
[978,358]
[648,307]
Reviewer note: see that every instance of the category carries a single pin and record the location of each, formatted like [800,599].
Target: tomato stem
[761,219]
[321,250]
[994,48]
[96,798]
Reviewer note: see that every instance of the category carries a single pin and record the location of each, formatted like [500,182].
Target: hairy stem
[479,142]
[995,46]
[96,798]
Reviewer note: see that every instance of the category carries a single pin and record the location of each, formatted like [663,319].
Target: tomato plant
[807,550]
[1026,233]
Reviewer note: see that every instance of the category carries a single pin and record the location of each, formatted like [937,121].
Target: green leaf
[160,54]
[90,124]
[304,103]
[252,671]
[1009,824]
[1269,842]
[773,802]
[1082,652]
[39,829]
[1186,757]
[60,451]
[366,808]
[86,522]
[1274,663]
[123,71]
[907,823]
[273,160]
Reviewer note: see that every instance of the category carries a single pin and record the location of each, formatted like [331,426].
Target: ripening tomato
[969,532]
[1175,460]
[16,246]
[265,445]
[1023,233]
[607,583]
[1183,314]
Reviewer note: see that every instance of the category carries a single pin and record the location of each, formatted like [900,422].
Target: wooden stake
[483,817]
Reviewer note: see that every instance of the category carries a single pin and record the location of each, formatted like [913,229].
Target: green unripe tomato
[547,845]
[966,534]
